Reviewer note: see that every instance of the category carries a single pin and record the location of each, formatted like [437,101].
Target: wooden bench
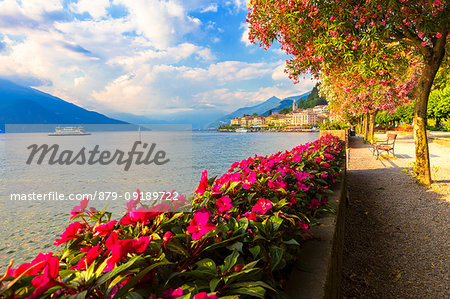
[385,145]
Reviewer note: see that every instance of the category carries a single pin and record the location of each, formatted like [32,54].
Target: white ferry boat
[69,131]
[241,130]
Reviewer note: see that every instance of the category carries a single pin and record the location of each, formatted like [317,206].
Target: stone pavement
[396,242]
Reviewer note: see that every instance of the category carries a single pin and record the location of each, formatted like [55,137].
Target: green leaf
[254,291]
[276,254]
[232,186]
[251,284]
[116,270]
[275,222]
[236,246]
[213,284]
[230,261]
[207,264]
[135,295]
[213,246]
[133,281]
[291,242]
[81,295]
[251,265]
[255,250]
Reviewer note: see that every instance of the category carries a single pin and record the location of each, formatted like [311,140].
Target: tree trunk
[366,125]
[422,166]
[372,116]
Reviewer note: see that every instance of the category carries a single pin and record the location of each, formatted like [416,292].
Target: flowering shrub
[244,233]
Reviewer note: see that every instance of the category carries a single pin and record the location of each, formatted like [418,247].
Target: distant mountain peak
[42,108]
[273,103]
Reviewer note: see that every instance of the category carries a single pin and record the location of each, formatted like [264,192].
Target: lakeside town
[295,120]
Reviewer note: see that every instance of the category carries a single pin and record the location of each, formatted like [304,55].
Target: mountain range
[275,104]
[26,105]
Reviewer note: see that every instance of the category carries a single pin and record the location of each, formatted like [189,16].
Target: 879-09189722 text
[97,195]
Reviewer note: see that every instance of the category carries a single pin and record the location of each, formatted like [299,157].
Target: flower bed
[242,237]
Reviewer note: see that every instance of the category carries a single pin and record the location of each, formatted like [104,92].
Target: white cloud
[163,23]
[244,37]
[139,63]
[241,4]
[278,73]
[229,71]
[227,99]
[32,9]
[96,8]
[211,8]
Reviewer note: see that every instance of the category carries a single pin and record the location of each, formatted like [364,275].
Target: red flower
[204,295]
[203,183]
[140,215]
[172,293]
[105,228]
[200,225]
[123,247]
[224,204]
[167,237]
[251,179]
[46,266]
[314,204]
[250,216]
[134,202]
[71,231]
[238,268]
[79,209]
[262,206]
[91,255]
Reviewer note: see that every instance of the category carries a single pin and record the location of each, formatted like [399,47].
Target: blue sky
[147,57]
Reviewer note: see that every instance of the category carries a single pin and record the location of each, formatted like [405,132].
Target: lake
[30,227]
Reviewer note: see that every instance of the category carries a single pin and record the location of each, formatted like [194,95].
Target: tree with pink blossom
[363,36]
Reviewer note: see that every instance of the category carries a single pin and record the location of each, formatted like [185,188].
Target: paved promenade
[397,241]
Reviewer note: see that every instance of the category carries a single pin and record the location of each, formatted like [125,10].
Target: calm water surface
[27,228]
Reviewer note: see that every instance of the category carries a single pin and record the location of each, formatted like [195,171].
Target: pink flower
[134,202]
[91,255]
[305,227]
[302,186]
[71,231]
[314,204]
[262,206]
[200,225]
[123,247]
[79,209]
[140,215]
[203,183]
[46,266]
[224,204]
[105,228]
[166,238]
[250,216]
[204,295]
[438,35]
[277,184]
[420,34]
[172,293]
[300,176]
[251,179]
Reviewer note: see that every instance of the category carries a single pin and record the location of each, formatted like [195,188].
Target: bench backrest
[391,138]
